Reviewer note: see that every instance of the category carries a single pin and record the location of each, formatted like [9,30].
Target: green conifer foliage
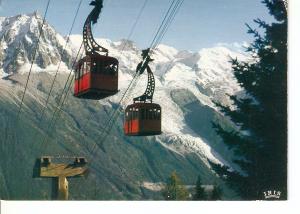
[260,140]
[216,193]
[174,189]
[199,191]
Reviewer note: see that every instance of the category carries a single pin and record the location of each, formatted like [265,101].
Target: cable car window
[150,114]
[142,114]
[77,72]
[88,67]
[155,114]
[94,67]
[83,66]
[136,113]
[113,68]
[99,67]
[81,70]
[129,115]
[107,70]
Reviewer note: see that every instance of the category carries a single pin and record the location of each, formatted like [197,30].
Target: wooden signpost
[61,171]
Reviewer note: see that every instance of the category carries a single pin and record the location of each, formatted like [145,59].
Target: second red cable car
[143,118]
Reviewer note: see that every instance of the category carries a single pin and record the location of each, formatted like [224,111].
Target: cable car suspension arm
[90,45]
[148,94]
[142,66]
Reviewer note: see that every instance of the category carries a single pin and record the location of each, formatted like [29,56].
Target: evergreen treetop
[260,139]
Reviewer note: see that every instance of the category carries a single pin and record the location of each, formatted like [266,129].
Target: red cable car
[96,75]
[143,118]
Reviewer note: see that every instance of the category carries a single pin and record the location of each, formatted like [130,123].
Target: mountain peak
[35,14]
[125,44]
[19,36]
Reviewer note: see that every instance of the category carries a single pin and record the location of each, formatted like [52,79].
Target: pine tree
[174,189]
[199,191]
[260,139]
[216,193]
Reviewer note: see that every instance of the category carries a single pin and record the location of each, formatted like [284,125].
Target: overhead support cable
[59,64]
[33,59]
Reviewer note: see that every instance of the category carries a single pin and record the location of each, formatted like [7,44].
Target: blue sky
[199,23]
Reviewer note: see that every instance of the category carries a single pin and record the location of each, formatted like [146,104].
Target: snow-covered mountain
[187,84]
[18,38]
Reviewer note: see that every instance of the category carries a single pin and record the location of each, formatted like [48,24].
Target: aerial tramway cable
[170,19]
[61,99]
[162,23]
[64,49]
[33,59]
